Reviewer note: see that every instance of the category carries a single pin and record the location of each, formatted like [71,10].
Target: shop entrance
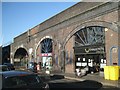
[95,62]
[89,48]
[47,62]
[46,54]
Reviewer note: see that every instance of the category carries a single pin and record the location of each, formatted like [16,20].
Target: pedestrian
[38,67]
[35,67]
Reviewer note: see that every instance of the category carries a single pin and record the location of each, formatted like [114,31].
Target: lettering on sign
[87,50]
[46,54]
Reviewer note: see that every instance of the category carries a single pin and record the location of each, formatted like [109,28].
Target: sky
[19,17]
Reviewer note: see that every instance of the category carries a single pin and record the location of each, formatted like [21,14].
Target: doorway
[95,62]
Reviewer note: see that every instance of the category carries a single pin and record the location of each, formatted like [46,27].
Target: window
[90,36]
[46,46]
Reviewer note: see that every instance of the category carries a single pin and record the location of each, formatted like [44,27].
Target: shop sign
[46,54]
[90,49]
[97,50]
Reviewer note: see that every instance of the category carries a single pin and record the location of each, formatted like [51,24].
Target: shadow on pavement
[55,77]
[47,78]
[81,85]
[78,85]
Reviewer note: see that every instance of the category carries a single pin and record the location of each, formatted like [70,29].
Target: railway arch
[74,37]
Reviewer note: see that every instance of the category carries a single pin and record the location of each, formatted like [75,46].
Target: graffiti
[69,58]
[56,60]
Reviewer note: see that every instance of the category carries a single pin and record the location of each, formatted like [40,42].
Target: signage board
[89,49]
[45,54]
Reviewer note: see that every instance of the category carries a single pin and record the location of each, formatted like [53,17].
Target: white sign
[78,63]
[83,59]
[30,51]
[78,59]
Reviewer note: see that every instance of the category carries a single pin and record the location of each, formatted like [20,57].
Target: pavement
[95,77]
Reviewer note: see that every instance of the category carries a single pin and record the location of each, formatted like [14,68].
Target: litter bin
[114,72]
[119,71]
[107,72]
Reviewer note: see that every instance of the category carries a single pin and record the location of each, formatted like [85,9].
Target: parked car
[4,68]
[10,66]
[22,80]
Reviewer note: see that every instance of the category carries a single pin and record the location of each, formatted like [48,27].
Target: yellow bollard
[114,72]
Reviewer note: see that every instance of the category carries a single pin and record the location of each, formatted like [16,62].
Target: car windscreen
[20,81]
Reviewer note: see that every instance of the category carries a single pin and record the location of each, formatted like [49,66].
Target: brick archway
[111,26]
[36,47]
[21,56]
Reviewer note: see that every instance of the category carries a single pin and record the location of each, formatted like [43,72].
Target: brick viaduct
[61,29]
